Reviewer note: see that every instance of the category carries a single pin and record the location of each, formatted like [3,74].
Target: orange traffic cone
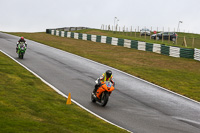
[69,99]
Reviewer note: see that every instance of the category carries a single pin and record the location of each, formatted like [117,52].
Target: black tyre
[92,98]
[104,98]
[22,55]
[173,39]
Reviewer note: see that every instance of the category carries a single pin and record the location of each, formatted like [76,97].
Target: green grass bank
[27,105]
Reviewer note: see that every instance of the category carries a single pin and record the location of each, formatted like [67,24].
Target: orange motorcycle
[102,94]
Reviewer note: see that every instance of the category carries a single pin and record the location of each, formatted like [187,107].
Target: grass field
[29,105]
[177,74]
[136,36]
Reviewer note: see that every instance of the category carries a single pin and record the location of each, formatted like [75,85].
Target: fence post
[162,35]
[112,28]
[150,36]
[168,37]
[193,42]
[184,42]
[123,30]
[135,32]
[131,30]
[150,33]
[156,36]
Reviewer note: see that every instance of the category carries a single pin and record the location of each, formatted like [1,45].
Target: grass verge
[29,105]
[176,74]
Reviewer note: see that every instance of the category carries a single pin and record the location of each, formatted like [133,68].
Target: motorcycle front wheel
[21,55]
[92,98]
[104,98]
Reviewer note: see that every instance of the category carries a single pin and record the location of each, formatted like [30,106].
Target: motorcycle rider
[21,40]
[107,76]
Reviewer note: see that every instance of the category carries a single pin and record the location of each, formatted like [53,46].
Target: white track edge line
[61,93]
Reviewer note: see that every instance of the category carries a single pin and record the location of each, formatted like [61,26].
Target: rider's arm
[112,80]
[26,43]
[101,77]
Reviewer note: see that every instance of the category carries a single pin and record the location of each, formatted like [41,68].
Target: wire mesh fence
[188,40]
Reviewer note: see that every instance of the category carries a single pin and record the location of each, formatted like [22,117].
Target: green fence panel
[120,42]
[134,44]
[187,53]
[48,31]
[80,36]
[165,50]
[55,32]
[109,40]
[59,33]
[72,34]
[149,47]
[98,39]
[65,34]
[89,37]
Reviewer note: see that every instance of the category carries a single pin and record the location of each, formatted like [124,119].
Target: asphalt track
[135,105]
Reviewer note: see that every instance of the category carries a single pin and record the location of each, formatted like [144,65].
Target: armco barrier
[114,41]
[149,47]
[197,54]
[84,37]
[89,37]
[98,38]
[80,36]
[174,51]
[120,42]
[108,40]
[165,50]
[156,48]
[187,53]
[134,44]
[127,43]
[103,39]
[141,46]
